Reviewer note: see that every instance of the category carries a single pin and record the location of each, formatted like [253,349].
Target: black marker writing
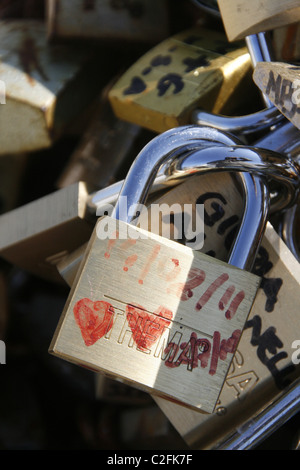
[137,86]
[269,342]
[171,79]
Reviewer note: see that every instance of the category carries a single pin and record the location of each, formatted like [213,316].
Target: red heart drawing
[147,327]
[94,319]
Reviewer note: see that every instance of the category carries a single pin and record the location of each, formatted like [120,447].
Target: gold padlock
[195,68]
[115,325]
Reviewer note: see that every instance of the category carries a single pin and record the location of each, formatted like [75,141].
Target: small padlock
[192,108]
[196,68]
[244,18]
[247,19]
[123,331]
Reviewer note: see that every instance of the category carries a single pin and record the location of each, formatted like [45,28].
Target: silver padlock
[134,329]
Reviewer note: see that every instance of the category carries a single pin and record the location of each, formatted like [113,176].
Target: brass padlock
[196,68]
[245,18]
[120,329]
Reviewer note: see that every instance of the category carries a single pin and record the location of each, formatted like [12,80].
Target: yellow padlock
[196,68]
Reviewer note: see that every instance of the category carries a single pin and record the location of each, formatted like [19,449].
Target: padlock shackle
[110,194]
[282,171]
[260,48]
[269,419]
[249,237]
[211,9]
[285,140]
[240,125]
[168,145]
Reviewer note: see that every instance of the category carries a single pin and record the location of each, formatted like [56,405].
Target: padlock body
[156,314]
[196,68]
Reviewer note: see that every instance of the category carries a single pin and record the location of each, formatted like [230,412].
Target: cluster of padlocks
[113,113]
